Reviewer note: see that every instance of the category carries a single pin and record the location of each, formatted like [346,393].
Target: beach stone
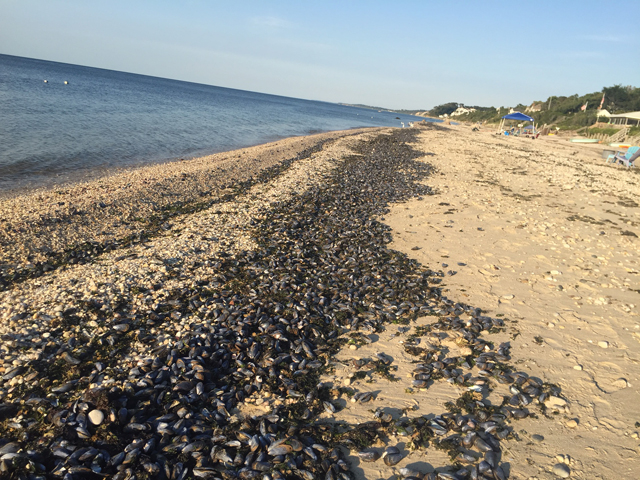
[572,423]
[537,438]
[96,417]
[577,367]
[621,383]
[554,402]
[561,470]
[603,344]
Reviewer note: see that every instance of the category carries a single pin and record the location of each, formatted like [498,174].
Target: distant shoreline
[43,183]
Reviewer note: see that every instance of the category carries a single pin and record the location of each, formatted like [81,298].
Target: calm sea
[55,132]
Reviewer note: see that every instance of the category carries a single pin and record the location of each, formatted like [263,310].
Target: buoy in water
[66,83]
[46,81]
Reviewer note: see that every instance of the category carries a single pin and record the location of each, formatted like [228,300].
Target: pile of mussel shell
[269,322]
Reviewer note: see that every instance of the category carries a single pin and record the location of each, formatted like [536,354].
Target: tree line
[564,112]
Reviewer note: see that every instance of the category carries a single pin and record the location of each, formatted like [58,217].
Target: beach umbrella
[516,116]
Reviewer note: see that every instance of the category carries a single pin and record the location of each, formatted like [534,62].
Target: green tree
[445,108]
[618,99]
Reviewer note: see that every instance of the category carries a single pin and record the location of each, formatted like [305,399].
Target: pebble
[537,438]
[577,367]
[572,423]
[96,417]
[554,401]
[603,344]
[621,383]
[561,470]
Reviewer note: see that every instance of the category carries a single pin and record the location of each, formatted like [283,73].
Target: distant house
[462,111]
[534,107]
[629,118]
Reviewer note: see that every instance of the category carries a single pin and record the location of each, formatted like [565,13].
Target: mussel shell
[393,459]
[369,455]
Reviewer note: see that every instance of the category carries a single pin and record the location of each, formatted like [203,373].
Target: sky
[394,54]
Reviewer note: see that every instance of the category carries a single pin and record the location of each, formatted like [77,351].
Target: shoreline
[96,174]
[122,203]
[391,260]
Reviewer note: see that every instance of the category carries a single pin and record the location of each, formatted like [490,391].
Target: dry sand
[544,234]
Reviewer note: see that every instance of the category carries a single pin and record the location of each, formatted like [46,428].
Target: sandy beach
[545,235]
[534,242]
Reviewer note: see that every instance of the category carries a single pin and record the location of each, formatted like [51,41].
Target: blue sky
[400,54]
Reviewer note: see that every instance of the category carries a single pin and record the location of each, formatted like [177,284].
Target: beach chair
[628,159]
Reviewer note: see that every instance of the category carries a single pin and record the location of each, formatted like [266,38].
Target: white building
[629,118]
[462,111]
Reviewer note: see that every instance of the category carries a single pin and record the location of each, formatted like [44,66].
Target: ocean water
[102,119]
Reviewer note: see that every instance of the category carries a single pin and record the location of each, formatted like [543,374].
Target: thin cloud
[271,22]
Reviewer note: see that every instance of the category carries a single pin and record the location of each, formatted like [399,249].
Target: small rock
[553,401]
[577,367]
[537,438]
[561,470]
[96,417]
[603,344]
[572,423]
[621,383]
[508,297]
[347,382]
